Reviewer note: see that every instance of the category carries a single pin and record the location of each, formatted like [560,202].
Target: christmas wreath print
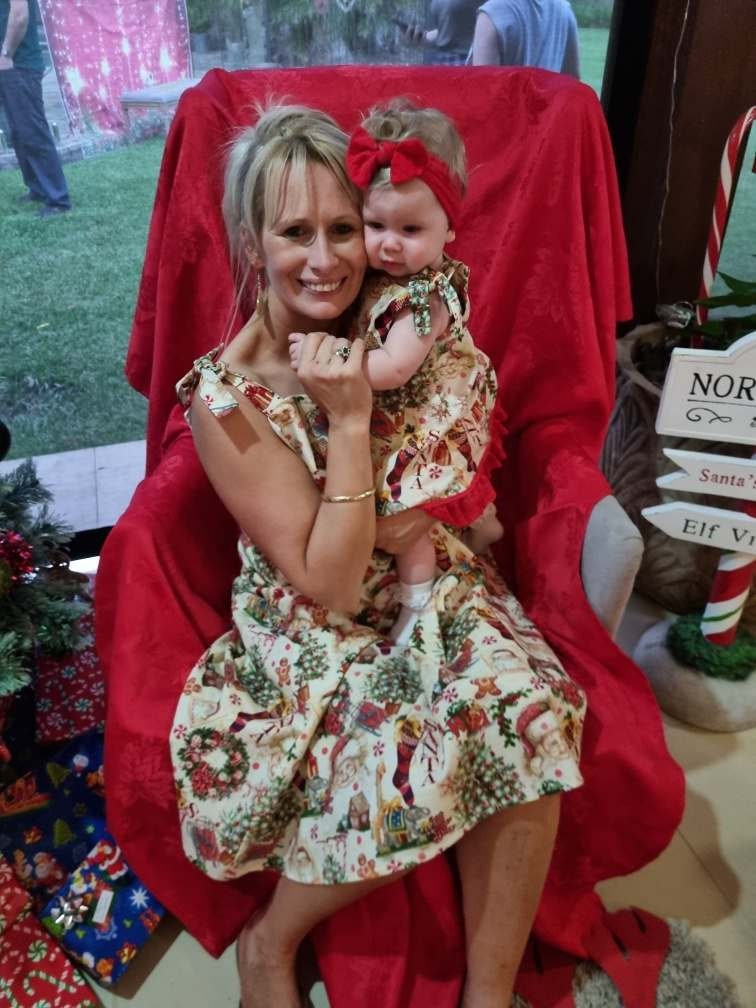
[214,778]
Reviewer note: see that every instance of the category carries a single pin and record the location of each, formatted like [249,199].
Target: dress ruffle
[468,505]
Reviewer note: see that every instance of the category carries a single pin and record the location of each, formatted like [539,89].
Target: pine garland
[688,645]
[39,596]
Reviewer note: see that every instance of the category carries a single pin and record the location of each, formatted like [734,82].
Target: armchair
[542,234]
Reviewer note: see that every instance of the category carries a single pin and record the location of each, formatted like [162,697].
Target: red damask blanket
[543,237]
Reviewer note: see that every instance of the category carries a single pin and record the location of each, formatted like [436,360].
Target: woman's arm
[403,351]
[321,548]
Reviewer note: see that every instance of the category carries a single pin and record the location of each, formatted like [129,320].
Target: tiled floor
[91,487]
[707,875]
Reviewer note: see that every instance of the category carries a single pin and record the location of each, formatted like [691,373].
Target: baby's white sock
[415,598]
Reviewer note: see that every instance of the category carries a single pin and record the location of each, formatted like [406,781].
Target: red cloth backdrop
[101,48]
[542,233]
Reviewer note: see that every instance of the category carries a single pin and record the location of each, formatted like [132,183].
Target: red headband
[406,159]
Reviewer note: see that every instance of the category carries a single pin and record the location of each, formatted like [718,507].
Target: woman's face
[313,254]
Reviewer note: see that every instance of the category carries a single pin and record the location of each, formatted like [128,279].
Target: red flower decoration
[15,559]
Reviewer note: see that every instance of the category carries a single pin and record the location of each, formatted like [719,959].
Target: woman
[305,741]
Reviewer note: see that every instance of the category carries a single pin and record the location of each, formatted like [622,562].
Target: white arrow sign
[711,394]
[728,530]
[711,474]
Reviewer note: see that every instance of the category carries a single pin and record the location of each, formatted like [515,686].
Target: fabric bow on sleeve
[207,379]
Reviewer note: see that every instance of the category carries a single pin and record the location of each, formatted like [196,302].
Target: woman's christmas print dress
[307,742]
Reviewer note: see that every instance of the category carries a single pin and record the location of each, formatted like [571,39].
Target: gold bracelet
[348,498]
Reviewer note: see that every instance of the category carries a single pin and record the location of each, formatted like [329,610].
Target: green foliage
[688,645]
[720,332]
[39,603]
[223,17]
[14,651]
[200,14]
[67,301]
[593,45]
[302,33]
[593,13]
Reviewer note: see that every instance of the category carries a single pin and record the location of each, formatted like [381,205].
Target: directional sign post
[711,395]
[703,472]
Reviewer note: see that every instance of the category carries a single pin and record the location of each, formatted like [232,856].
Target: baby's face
[405,228]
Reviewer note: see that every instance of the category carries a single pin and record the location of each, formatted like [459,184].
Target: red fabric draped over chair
[541,230]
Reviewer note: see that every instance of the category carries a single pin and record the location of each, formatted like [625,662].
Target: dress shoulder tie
[208,379]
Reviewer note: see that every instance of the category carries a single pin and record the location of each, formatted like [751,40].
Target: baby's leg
[484,531]
[416,568]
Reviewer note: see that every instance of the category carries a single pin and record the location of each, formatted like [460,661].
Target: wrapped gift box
[70,691]
[52,816]
[33,969]
[13,898]
[102,915]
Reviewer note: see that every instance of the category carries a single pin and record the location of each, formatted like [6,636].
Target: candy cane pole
[732,581]
[729,169]
[729,591]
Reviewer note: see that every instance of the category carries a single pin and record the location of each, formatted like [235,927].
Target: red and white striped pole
[732,581]
[729,170]
[729,592]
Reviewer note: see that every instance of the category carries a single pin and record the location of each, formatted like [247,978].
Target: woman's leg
[267,946]
[502,865]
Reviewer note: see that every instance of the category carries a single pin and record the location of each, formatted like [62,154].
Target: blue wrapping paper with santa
[103,914]
[51,817]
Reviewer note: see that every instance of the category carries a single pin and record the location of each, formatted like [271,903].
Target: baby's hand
[295,348]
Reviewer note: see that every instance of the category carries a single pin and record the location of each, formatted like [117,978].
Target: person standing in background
[21,69]
[450,35]
[539,33]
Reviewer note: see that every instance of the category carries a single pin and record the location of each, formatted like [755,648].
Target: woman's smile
[322,287]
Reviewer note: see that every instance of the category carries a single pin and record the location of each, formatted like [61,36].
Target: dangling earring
[262,292]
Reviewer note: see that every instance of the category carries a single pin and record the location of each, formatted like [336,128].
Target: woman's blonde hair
[263,160]
[401,120]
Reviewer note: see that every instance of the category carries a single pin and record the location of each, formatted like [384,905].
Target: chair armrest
[612,552]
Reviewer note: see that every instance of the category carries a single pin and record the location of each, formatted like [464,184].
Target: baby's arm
[403,351]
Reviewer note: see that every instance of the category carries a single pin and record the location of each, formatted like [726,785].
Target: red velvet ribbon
[406,159]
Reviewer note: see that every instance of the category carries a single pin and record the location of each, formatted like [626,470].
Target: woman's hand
[330,370]
[395,533]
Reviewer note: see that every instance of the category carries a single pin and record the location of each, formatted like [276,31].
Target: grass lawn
[69,286]
[68,292]
[593,43]
[739,249]
[66,303]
